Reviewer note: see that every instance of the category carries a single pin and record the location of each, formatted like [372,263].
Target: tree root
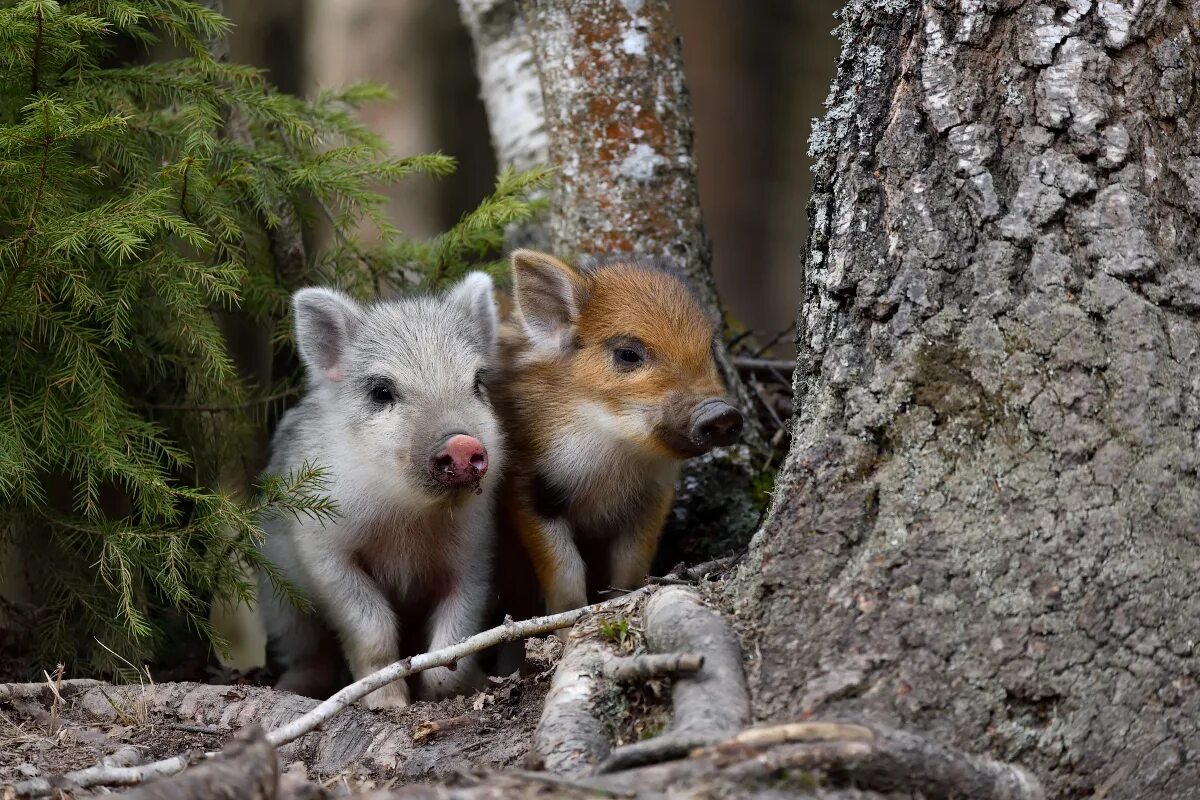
[831,755]
[875,757]
[571,738]
[35,691]
[708,705]
[709,696]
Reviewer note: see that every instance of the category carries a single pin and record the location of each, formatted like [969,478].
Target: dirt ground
[359,750]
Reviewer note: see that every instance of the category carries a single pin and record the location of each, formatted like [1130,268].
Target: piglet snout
[458,460]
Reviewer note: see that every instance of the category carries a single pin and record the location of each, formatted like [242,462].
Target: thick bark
[986,528]
[620,134]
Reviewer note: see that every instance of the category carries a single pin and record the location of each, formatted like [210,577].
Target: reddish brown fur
[540,397]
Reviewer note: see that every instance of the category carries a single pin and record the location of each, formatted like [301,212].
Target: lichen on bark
[986,528]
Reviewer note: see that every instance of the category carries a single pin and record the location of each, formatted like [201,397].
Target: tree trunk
[988,521]
[512,94]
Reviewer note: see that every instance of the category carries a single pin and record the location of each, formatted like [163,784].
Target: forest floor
[427,741]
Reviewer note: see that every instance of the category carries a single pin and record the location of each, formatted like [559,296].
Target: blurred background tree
[758,74]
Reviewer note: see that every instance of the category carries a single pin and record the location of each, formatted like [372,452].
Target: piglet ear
[546,293]
[476,294]
[325,321]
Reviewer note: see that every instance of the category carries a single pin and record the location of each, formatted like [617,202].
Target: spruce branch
[37,53]
[30,225]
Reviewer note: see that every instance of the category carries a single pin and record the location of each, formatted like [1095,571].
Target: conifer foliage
[131,223]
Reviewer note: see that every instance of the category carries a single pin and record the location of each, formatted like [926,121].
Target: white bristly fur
[398,539]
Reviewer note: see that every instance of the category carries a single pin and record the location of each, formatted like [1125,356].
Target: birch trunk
[988,527]
[512,94]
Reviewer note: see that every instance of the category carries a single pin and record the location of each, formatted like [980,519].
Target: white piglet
[398,413]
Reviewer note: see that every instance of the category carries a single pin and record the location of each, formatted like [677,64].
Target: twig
[665,747]
[204,729]
[798,732]
[652,665]
[753,364]
[684,575]
[37,51]
[569,783]
[736,340]
[129,776]
[31,226]
[775,340]
[58,703]
[766,402]
[427,730]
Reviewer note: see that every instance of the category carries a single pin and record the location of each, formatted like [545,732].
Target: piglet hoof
[394,695]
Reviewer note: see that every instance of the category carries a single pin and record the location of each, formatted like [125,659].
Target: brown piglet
[607,382]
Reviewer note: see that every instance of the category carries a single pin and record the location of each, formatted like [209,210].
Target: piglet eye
[479,388]
[382,395]
[627,359]
[627,356]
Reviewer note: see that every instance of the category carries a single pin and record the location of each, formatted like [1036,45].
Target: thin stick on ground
[652,665]
[446,656]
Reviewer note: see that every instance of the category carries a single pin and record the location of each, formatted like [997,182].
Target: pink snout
[458,460]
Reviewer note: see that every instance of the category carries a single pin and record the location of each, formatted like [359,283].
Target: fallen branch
[323,712]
